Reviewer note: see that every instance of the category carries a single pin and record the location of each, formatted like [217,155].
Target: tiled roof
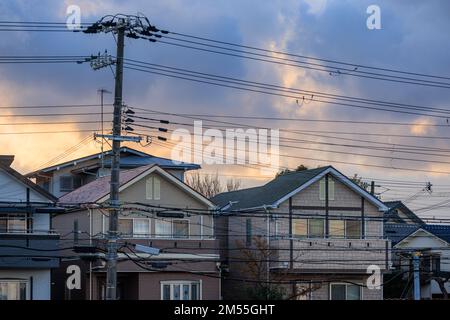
[400,205]
[396,232]
[134,158]
[268,193]
[97,189]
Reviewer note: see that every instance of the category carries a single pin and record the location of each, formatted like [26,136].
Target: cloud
[411,39]
[316,7]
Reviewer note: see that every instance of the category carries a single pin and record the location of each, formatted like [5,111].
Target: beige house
[158,210]
[304,235]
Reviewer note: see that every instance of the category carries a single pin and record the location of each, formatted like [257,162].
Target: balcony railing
[352,255]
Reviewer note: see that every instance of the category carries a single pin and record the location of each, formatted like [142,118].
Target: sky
[413,37]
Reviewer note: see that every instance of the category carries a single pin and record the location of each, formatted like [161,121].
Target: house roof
[284,186]
[99,189]
[135,158]
[30,184]
[394,205]
[397,232]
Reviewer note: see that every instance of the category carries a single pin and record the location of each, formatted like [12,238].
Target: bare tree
[359,181]
[285,171]
[255,265]
[210,184]
[272,286]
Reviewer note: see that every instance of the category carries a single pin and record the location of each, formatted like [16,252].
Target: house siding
[141,284]
[322,256]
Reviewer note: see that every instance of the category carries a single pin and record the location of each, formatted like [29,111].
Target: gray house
[28,246]
[158,210]
[304,235]
[65,177]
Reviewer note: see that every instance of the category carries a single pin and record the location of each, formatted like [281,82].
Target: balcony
[327,255]
[29,250]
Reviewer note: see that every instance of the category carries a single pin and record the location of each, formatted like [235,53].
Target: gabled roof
[397,232]
[134,159]
[98,190]
[28,183]
[393,214]
[273,193]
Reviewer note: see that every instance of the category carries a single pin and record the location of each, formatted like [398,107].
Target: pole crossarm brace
[118,138]
[101,61]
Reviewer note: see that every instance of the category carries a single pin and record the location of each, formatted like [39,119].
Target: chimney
[6,160]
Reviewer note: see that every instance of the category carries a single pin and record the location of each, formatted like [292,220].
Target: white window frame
[345,229]
[171,283]
[27,285]
[331,185]
[294,236]
[155,193]
[133,236]
[324,226]
[148,234]
[307,228]
[171,235]
[346,285]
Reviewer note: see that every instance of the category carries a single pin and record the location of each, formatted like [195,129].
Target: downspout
[268,251]
[90,262]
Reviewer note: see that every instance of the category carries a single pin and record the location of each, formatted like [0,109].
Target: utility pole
[102,91]
[416,266]
[134,27]
[111,257]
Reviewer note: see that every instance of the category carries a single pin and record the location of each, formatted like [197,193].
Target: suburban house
[28,246]
[158,211]
[432,243]
[307,235]
[65,177]
[399,213]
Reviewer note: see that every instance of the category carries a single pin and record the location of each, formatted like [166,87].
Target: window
[337,228]
[69,183]
[163,228]
[436,263]
[353,292]
[353,229]
[3,223]
[126,227]
[141,227]
[316,228]
[153,188]
[13,290]
[180,228]
[248,232]
[134,227]
[300,227]
[13,223]
[180,290]
[276,232]
[342,291]
[330,189]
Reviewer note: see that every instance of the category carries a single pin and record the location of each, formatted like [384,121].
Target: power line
[309,57]
[243,87]
[305,65]
[209,76]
